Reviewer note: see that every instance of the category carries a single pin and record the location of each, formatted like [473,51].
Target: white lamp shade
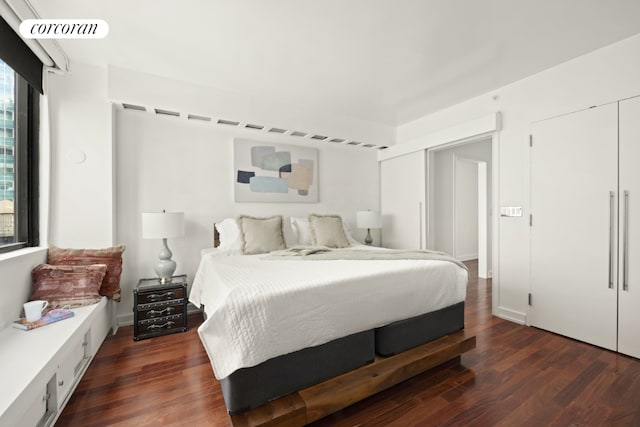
[368,219]
[162,225]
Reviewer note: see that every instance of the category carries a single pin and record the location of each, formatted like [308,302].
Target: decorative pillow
[261,235]
[327,230]
[112,257]
[67,285]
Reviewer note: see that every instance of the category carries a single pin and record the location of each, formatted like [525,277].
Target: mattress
[258,309]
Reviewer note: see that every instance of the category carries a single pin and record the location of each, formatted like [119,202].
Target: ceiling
[387,61]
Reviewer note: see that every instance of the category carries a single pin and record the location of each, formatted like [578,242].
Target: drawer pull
[163,326]
[156,297]
[159,313]
[60,383]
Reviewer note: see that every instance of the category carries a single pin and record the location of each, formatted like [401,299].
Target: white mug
[33,309]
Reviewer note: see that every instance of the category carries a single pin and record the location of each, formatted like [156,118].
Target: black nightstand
[159,309]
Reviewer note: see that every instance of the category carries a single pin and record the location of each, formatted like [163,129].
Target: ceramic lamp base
[165,267]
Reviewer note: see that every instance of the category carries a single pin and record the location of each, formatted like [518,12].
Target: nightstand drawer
[161,326]
[160,295]
[154,311]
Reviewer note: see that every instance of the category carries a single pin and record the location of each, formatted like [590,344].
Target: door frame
[495,199]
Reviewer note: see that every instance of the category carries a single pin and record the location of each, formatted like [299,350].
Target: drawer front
[148,297]
[157,310]
[160,326]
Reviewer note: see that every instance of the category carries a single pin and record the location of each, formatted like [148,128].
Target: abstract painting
[265,172]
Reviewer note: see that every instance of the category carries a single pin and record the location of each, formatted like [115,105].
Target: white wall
[444,215]
[605,75]
[465,220]
[172,164]
[81,200]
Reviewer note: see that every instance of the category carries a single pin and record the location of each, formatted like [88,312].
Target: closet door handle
[611,219]
[625,244]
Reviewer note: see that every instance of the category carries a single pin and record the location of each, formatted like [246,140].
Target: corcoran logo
[64,29]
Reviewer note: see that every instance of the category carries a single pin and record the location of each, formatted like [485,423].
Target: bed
[276,325]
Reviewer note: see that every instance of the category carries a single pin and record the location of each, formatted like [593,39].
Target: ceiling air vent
[133,107]
[228,122]
[245,125]
[195,117]
[166,112]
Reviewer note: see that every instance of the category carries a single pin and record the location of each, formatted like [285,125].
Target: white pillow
[347,232]
[230,237]
[303,230]
[290,236]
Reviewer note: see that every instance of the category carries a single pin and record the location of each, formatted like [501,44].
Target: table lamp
[163,225]
[368,220]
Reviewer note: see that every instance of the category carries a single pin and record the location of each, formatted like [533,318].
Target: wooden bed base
[318,401]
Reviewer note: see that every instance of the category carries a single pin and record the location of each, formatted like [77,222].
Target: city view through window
[7,153]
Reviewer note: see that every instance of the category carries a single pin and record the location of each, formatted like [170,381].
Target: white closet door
[574,170]
[402,194]
[629,265]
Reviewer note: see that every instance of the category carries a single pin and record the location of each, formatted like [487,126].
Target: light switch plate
[511,211]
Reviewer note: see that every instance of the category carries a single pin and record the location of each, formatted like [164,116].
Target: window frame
[26,166]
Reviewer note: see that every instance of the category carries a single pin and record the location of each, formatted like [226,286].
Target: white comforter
[258,309]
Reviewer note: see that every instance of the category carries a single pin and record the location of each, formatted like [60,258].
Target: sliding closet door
[574,181]
[402,196]
[629,265]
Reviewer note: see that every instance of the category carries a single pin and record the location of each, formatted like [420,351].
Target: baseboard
[512,316]
[127,319]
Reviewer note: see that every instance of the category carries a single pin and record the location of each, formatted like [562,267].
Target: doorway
[459,217]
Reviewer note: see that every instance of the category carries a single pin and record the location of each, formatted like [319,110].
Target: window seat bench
[41,368]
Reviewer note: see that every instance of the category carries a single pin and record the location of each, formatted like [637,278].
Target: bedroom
[108,164]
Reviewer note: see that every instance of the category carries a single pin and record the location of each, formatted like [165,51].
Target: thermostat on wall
[511,211]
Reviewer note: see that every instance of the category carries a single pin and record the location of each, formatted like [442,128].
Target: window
[18,161]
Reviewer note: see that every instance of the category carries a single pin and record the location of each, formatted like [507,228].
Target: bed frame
[308,384]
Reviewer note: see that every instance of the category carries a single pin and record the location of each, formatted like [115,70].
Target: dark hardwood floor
[517,376]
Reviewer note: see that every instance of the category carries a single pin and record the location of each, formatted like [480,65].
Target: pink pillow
[112,257]
[67,285]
